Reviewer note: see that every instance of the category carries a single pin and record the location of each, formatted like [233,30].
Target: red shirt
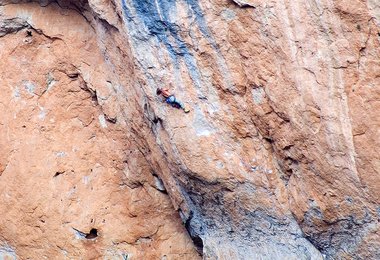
[166,93]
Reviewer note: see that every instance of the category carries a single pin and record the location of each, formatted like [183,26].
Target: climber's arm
[166,92]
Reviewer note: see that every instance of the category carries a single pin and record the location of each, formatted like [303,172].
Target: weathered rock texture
[278,159]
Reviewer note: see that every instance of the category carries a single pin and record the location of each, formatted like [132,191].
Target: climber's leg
[170,100]
[179,103]
[182,106]
[176,103]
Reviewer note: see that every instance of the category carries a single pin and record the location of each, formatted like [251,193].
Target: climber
[170,99]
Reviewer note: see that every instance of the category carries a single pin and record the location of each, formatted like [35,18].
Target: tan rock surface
[278,159]
[65,166]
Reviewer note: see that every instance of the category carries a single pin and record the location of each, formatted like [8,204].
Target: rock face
[278,159]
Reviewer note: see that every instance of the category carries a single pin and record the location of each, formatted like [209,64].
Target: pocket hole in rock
[93,234]
[58,173]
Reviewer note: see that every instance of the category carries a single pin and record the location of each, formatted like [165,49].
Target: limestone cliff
[279,157]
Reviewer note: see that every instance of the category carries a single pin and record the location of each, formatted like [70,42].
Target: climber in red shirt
[170,99]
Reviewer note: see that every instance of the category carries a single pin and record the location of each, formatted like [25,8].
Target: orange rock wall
[66,165]
[278,157]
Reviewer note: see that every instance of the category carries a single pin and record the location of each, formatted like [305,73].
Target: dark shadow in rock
[93,234]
